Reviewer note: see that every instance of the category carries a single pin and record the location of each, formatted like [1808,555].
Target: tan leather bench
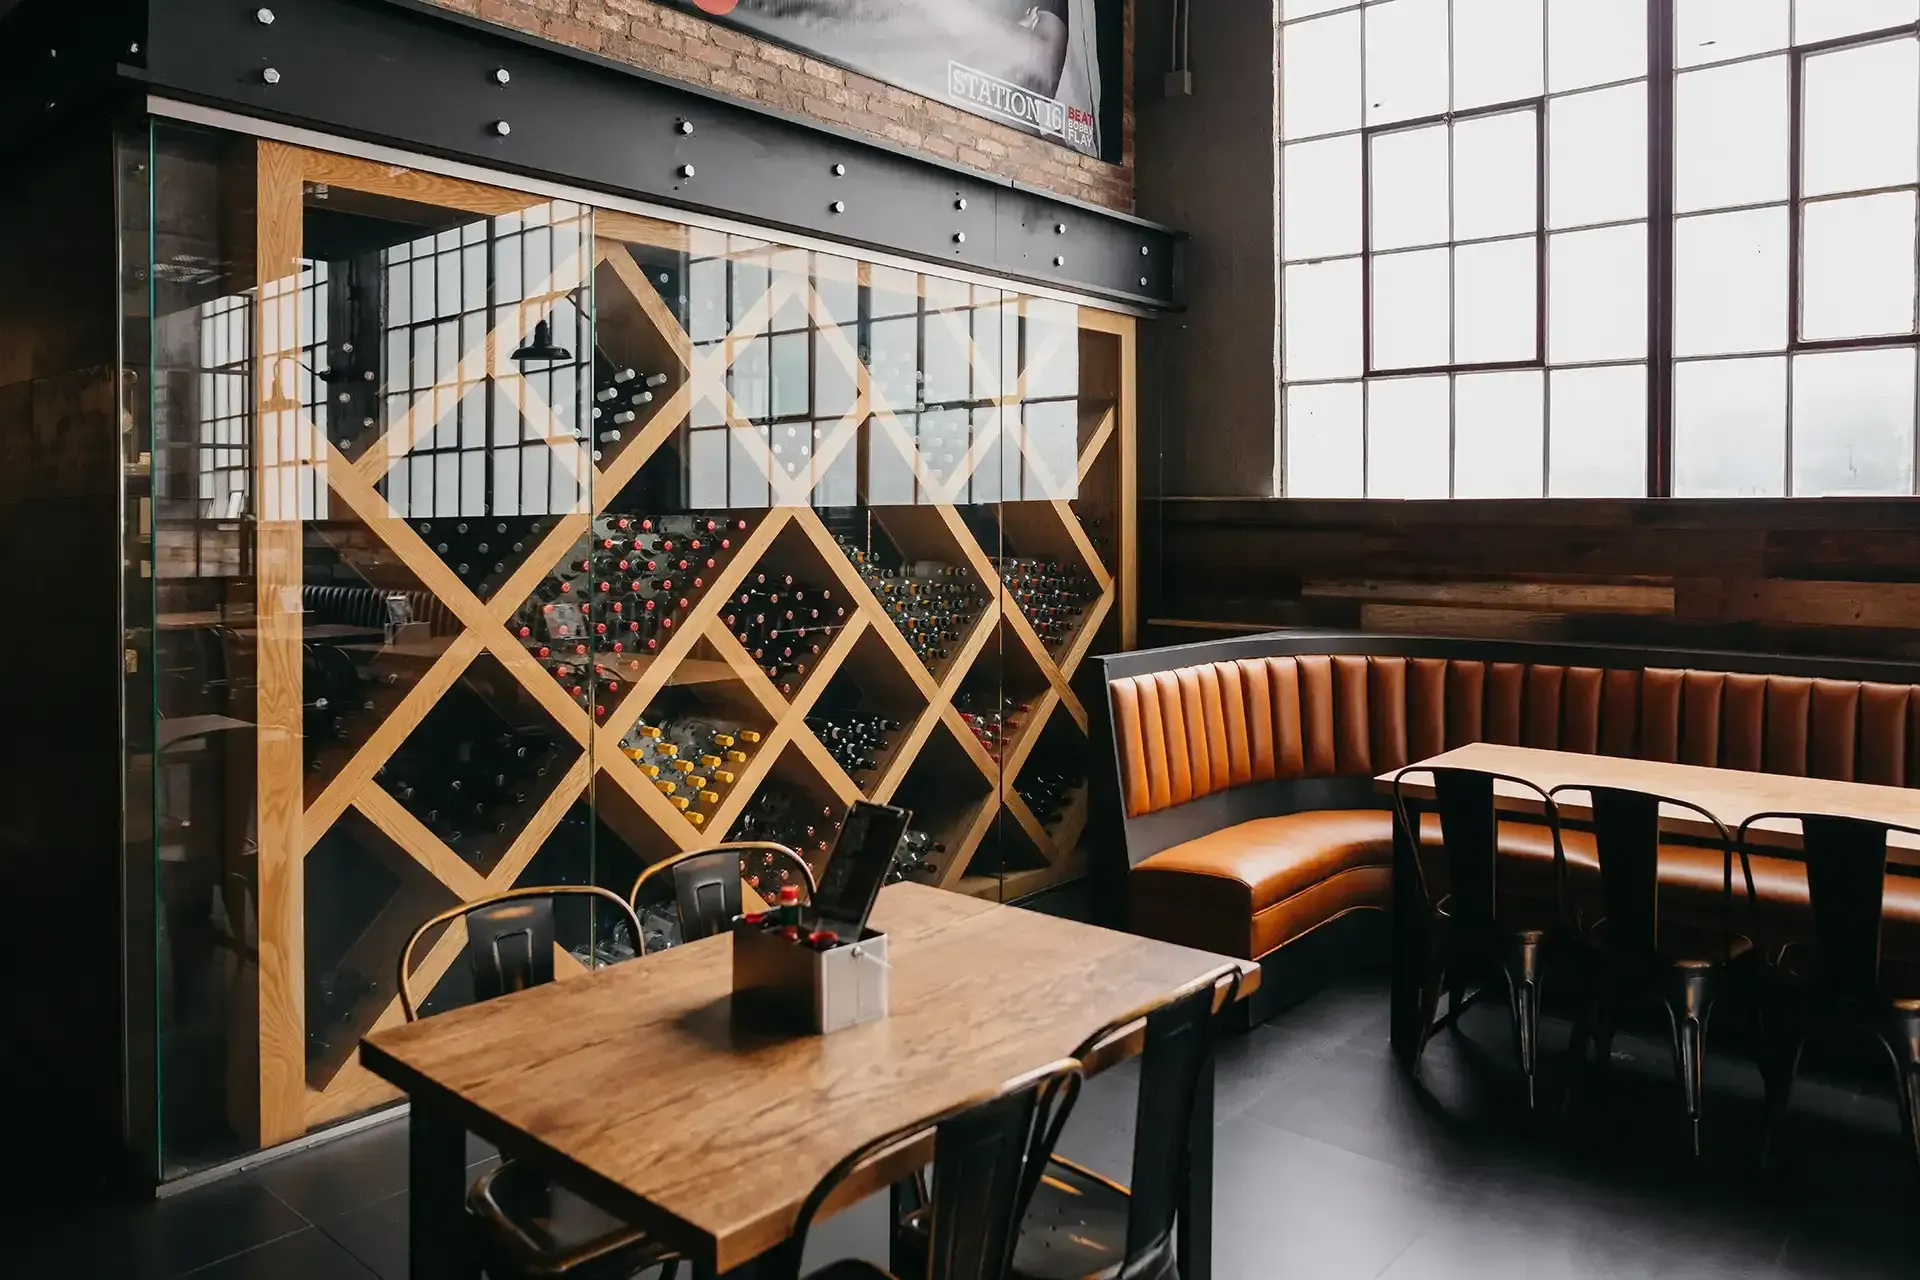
[1243,792]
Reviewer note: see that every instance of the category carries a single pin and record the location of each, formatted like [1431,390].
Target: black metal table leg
[903,1198]
[1196,1200]
[436,1196]
[1408,945]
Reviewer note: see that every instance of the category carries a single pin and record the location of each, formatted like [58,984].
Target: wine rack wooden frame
[292,452]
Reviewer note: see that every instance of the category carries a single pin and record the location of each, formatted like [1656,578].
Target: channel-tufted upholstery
[1253,886]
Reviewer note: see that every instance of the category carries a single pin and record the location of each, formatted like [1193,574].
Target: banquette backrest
[1201,736]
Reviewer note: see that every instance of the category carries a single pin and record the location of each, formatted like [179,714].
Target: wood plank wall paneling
[1812,576]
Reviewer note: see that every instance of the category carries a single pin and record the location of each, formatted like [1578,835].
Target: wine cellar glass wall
[499,540]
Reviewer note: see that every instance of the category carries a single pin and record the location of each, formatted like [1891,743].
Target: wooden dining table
[1731,795]
[637,1086]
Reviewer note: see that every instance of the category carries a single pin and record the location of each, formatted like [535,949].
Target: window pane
[1406,60]
[1409,192]
[1325,454]
[1862,117]
[1495,296]
[1717,30]
[1303,8]
[1598,444]
[1320,93]
[1730,136]
[1498,425]
[1497,52]
[1853,423]
[1322,329]
[1730,283]
[1597,294]
[1320,194]
[1496,164]
[1407,429]
[1857,269]
[1730,428]
[1817,20]
[1593,42]
[1411,297]
[1597,156]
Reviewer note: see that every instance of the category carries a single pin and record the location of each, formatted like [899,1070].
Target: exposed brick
[686,47]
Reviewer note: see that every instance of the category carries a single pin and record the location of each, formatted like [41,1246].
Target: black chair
[1471,931]
[524,1224]
[1630,948]
[706,885]
[986,1154]
[1080,1225]
[1843,979]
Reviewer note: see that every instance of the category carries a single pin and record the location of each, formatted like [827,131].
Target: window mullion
[1660,236]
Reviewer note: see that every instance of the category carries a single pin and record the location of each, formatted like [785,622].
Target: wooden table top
[1731,795]
[635,1083]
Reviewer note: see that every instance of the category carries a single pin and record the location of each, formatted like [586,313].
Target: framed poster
[1049,67]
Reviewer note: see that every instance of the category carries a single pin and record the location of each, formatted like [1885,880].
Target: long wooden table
[1731,795]
[638,1088]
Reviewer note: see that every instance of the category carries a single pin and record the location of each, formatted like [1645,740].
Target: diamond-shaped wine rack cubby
[734,619]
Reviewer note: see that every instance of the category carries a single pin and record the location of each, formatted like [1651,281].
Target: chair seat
[1899,979]
[1685,945]
[1075,1228]
[850,1269]
[542,1229]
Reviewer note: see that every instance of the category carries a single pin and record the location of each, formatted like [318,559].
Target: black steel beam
[401,73]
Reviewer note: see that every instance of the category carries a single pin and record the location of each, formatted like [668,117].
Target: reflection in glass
[1408,422]
[1730,428]
[1730,283]
[1853,415]
[1499,445]
[1598,442]
[1857,267]
[1730,135]
[1326,449]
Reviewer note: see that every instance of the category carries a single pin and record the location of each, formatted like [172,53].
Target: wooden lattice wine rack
[329,510]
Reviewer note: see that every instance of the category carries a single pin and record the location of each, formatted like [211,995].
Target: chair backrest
[706,884]
[1179,1045]
[1846,888]
[510,939]
[982,1152]
[1626,836]
[1469,836]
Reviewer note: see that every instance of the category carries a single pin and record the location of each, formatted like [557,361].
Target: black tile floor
[1330,1165]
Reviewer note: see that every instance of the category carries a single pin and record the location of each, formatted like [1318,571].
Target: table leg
[436,1196]
[1408,945]
[903,1197]
[1195,1241]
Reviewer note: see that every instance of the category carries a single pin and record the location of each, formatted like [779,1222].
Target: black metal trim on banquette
[1117,843]
[409,74]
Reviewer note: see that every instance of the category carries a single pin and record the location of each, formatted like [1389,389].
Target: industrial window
[1698,280]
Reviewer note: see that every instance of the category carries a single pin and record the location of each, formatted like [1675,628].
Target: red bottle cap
[755,917]
[789,895]
[823,939]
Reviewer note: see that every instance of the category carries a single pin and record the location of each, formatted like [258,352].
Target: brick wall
[689,48]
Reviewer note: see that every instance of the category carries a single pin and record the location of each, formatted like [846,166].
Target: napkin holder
[790,986]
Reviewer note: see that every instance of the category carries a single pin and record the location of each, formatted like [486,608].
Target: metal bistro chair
[985,1153]
[525,1225]
[1629,945]
[706,885]
[1470,930]
[1843,979]
[1082,1226]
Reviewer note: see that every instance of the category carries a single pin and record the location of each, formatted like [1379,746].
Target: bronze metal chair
[984,1155]
[1843,979]
[1080,1225]
[524,1224]
[706,885]
[1470,930]
[1630,947]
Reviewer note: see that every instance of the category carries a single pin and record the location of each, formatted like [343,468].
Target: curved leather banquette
[1240,788]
